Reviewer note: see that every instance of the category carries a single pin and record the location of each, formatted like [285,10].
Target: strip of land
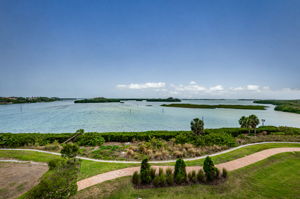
[108,100]
[206,106]
[291,106]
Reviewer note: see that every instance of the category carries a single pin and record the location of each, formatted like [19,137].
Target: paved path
[161,161]
[231,165]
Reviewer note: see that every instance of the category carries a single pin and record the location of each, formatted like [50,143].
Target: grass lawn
[275,177]
[90,168]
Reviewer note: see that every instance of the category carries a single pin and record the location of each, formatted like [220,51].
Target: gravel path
[231,165]
[160,161]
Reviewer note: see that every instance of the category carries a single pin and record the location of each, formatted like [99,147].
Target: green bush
[210,170]
[145,172]
[201,176]
[169,172]
[224,173]
[162,180]
[90,139]
[136,178]
[152,173]
[56,163]
[70,150]
[180,172]
[156,181]
[52,147]
[60,183]
[221,139]
[160,171]
[170,179]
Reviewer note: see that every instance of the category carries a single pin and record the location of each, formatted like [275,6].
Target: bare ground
[18,178]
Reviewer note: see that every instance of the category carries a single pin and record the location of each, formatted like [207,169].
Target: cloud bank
[195,90]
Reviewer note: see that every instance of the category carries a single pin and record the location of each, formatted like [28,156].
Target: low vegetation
[61,180]
[292,106]
[148,177]
[206,106]
[263,180]
[156,145]
[20,100]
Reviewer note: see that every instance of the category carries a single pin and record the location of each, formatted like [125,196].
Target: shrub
[152,173]
[194,177]
[209,169]
[221,139]
[169,172]
[145,172]
[53,147]
[136,180]
[180,172]
[91,139]
[162,180]
[61,183]
[170,179]
[160,171]
[156,181]
[200,176]
[70,150]
[197,126]
[56,163]
[224,173]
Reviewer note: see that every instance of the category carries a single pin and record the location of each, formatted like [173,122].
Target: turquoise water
[65,116]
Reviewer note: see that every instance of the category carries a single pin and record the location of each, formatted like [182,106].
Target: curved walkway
[231,165]
[160,161]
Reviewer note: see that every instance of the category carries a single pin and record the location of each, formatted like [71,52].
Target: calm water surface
[65,116]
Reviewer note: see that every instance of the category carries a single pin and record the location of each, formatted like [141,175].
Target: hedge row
[23,139]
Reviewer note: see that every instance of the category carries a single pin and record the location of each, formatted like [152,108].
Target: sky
[157,48]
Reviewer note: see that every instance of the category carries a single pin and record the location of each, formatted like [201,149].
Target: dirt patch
[17,178]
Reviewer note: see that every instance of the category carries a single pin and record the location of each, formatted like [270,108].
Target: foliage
[19,100]
[56,163]
[201,176]
[197,126]
[180,172]
[70,150]
[91,139]
[224,173]
[145,172]
[210,169]
[220,139]
[249,122]
[292,106]
[60,183]
[136,178]
[206,106]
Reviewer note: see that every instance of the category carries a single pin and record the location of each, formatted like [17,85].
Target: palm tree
[197,126]
[253,122]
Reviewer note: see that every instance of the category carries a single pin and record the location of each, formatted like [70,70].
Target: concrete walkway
[160,161]
[231,165]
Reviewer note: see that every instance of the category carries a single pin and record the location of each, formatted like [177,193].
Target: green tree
[180,172]
[197,126]
[70,150]
[253,122]
[209,169]
[145,172]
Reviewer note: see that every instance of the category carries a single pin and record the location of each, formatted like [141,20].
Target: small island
[21,100]
[97,100]
[206,106]
[291,106]
[108,100]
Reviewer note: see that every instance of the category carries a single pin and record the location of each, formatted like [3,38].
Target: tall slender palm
[197,126]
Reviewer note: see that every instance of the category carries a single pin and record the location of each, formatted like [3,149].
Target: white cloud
[194,90]
[142,86]
[216,88]
[253,87]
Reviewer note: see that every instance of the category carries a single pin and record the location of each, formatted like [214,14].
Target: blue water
[65,116]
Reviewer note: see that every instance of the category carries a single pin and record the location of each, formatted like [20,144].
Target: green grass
[275,177]
[206,106]
[90,168]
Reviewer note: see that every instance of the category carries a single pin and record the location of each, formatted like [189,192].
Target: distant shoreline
[206,106]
